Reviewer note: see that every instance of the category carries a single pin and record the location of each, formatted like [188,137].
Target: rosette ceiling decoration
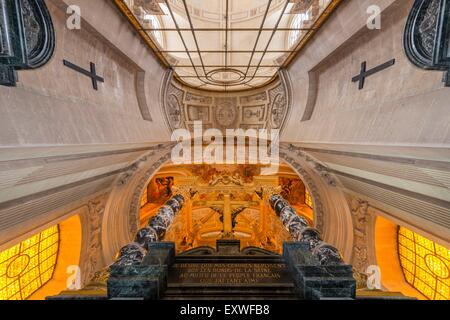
[226,45]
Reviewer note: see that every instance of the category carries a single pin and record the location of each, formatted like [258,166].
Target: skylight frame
[194,62]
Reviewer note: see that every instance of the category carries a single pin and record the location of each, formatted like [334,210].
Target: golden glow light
[29,265]
[308,198]
[144,199]
[425,264]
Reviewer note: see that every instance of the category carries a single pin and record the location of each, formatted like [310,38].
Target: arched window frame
[158,36]
[297,23]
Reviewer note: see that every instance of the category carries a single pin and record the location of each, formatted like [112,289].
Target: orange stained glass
[308,198]
[29,265]
[425,264]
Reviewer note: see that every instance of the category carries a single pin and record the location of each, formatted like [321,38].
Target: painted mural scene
[217,150]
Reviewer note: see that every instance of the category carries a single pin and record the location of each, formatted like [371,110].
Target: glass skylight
[226,45]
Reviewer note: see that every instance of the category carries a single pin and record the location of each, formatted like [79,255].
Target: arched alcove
[254,223]
[329,213]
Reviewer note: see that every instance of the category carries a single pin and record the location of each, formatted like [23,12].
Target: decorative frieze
[267,107]
[94,217]
[360,260]
[316,166]
[133,217]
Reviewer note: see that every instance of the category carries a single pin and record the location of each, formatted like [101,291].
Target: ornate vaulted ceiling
[226,45]
[264,108]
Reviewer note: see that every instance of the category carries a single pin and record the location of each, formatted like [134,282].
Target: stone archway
[332,214]
[120,222]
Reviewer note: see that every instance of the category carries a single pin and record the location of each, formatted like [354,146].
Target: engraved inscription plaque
[229,273]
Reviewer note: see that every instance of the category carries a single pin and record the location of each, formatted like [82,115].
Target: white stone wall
[400,105]
[55,105]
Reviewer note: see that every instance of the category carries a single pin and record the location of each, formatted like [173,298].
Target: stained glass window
[425,264]
[308,198]
[29,265]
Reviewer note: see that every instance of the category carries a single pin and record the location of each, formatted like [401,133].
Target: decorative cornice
[319,168]
[267,107]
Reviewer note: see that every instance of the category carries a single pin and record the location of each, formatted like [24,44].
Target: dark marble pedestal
[314,281]
[227,272]
[146,281]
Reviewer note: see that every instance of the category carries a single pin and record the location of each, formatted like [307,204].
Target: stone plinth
[160,253]
[314,281]
[140,282]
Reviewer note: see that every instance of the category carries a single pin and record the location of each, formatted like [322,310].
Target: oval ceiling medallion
[225,76]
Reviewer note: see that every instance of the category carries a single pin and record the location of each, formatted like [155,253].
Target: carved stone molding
[360,256]
[131,170]
[360,216]
[93,255]
[264,108]
[318,207]
[316,166]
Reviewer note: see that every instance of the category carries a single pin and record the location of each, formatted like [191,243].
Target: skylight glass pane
[226,32]
[189,40]
[214,59]
[240,58]
[206,14]
[210,40]
[243,40]
[264,40]
[275,11]
[279,41]
[185,71]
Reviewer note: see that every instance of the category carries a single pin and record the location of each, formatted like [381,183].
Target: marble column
[134,253]
[302,232]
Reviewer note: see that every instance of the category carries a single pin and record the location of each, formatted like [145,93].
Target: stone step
[227,287]
[237,293]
